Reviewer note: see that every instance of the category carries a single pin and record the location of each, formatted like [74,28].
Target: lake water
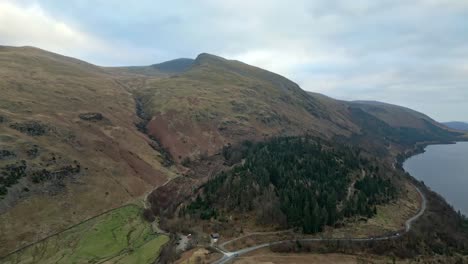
[444,168]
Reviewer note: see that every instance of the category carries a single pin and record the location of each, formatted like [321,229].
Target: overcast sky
[412,53]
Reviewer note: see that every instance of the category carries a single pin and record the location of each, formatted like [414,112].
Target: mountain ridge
[457,125]
[58,112]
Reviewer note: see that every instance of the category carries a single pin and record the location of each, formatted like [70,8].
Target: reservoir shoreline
[442,167]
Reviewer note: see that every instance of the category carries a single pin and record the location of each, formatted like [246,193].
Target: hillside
[77,139]
[394,115]
[69,146]
[457,125]
[219,102]
[387,129]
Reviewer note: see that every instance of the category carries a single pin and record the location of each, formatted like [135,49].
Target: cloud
[287,63]
[31,25]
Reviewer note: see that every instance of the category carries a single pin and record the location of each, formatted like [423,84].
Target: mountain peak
[208,58]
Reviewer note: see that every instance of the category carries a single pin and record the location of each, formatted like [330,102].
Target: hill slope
[394,115]
[70,149]
[219,101]
[385,128]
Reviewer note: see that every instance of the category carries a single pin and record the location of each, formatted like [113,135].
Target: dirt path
[146,205]
[221,246]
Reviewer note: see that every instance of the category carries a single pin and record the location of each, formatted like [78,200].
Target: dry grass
[118,164]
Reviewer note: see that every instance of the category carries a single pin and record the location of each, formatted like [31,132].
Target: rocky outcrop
[59,174]
[33,151]
[91,116]
[11,174]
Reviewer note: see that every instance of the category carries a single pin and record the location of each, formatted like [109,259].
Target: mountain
[457,125]
[78,139]
[386,128]
[219,102]
[73,125]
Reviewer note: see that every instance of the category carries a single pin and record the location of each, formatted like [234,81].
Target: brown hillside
[219,101]
[73,125]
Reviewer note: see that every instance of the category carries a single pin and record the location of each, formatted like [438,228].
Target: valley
[207,146]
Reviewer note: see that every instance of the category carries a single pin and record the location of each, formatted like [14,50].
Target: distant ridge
[171,67]
[457,125]
[174,66]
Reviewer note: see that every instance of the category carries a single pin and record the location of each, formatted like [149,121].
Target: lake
[444,168]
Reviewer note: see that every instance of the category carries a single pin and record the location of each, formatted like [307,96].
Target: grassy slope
[219,101]
[393,115]
[387,129]
[54,90]
[120,236]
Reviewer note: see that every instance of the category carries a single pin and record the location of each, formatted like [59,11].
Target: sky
[410,53]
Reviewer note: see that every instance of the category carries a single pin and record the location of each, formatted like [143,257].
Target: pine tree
[315,217]
[307,225]
[324,217]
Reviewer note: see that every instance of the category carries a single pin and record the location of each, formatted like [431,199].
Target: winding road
[228,256]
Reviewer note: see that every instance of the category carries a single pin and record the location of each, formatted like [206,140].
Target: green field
[120,236]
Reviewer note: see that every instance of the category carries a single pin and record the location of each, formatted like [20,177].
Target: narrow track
[228,255]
